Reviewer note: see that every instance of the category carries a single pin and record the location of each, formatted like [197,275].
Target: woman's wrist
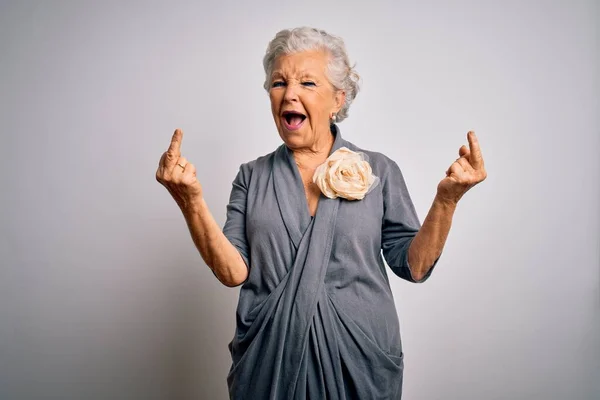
[193,205]
[445,203]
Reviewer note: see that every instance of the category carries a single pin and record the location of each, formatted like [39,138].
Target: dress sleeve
[235,225]
[400,224]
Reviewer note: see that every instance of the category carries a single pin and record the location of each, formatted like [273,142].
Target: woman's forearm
[214,247]
[465,172]
[429,242]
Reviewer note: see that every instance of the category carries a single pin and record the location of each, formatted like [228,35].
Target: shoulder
[392,183]
[258,165]
[382,165]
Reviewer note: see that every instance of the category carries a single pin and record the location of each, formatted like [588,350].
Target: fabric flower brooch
[345,174]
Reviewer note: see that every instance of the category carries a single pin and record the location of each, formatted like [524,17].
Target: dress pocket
[370,371]
[398,360]
[360,339]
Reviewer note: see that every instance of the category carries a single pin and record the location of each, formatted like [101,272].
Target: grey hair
[339,71]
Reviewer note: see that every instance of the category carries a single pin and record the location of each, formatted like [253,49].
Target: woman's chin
[293,139]
[293,142]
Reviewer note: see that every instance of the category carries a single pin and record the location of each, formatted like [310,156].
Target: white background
[102,292]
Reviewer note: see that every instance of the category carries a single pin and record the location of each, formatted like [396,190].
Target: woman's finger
[456,169]
[188,177]
[161,162]
[476,157]
[180,166]
[463,151]
[174,151]
[190,169]
[464,163]
[160,171]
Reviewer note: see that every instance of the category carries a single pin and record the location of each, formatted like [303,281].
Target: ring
[182,167]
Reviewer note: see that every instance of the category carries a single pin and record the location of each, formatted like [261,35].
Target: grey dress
[316,318]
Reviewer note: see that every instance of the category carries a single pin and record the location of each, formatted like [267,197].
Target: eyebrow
[303,74]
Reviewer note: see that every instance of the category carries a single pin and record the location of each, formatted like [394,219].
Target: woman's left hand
[464,173]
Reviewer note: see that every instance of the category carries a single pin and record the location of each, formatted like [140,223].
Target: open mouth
[293,120]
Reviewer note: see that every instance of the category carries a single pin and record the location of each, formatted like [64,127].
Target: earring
[333,119]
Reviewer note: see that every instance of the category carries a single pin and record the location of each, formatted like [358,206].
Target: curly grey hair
[341,75]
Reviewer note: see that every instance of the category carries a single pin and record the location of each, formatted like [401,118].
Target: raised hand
[177,174]
[464,173]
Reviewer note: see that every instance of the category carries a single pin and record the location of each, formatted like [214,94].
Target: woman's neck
[312,157]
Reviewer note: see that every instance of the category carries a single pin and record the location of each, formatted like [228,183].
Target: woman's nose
[291,92]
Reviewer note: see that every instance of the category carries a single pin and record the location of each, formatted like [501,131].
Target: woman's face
[302,99]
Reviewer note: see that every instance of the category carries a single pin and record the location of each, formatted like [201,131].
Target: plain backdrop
[102,292]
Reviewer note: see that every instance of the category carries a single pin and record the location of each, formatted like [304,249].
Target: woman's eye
[277,84]
[309,83]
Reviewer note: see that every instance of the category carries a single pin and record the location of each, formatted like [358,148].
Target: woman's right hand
[178,175]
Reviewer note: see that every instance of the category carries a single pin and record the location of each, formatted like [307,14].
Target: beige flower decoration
[345,174]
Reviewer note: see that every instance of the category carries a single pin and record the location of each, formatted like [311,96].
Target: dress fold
[316,318]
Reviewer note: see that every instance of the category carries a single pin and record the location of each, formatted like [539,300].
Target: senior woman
[308,227]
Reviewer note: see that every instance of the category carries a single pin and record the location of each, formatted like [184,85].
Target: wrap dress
[316,318]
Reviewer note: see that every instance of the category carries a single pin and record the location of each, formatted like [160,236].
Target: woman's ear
[340,99]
